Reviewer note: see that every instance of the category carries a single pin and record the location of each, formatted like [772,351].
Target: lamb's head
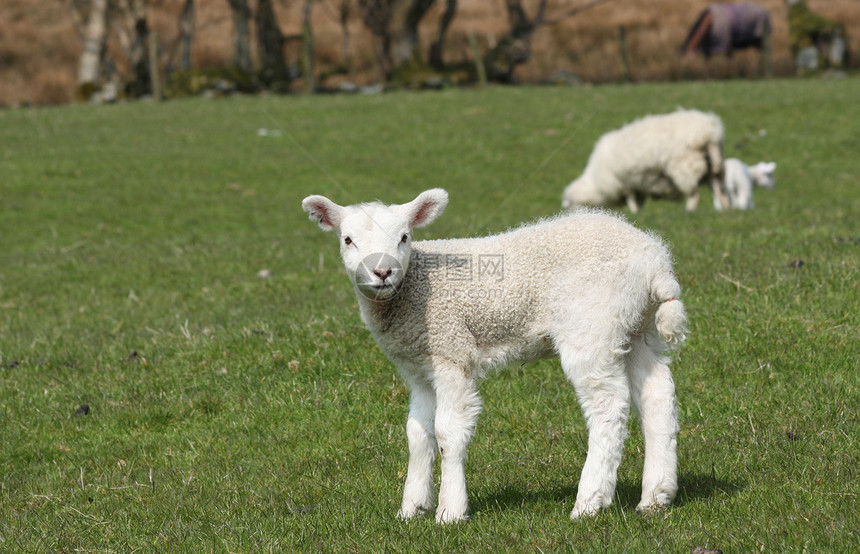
[580,192]
[376,239]
[762,174]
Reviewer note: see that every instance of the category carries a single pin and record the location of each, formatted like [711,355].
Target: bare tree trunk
[138,54]
[344,13]
[375,15]
[241,35]
[395,24]
[403,28]
[436,49]
[270,47]
[380,46]
[515,47]
[95,38]
[186,35]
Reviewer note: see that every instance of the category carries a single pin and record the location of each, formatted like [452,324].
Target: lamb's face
[568,197]
[375,239]
[762,174]
[581,192]
[375,245]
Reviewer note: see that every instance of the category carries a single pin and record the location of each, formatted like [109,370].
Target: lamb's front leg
[632,203]
[418,497]
[457,408]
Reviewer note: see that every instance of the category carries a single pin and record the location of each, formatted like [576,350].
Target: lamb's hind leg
[601,385]
[653,392]
[418,495]
[685,172]
[457,408]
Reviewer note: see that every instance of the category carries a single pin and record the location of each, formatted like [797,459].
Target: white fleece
[660,156]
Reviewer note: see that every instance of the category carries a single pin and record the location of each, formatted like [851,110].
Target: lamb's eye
[404,238]
[347,241]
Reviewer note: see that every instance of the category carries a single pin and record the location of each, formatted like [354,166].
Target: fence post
[479,61]
[622,46]
[766,54]
[307,62]
[154,71]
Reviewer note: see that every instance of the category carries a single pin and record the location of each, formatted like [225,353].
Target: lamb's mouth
[379,291]
[378,276]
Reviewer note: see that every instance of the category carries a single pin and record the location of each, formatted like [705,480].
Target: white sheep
[587,287]
[661,156]
[739,180]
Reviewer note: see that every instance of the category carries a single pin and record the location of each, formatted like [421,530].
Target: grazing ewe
[739,181]
[587,287]
[665,155]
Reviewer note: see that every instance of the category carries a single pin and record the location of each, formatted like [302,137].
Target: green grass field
[230,412]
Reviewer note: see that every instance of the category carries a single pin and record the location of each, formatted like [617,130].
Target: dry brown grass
[39,45]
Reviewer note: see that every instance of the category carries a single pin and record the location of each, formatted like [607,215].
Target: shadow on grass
[695,487]
[691,489]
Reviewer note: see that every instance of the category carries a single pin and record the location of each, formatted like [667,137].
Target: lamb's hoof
[656,501]
[582,510]
[448,516]
[417,511]
[651,507]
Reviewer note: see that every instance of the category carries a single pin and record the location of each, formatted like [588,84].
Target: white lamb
[739,181]
[662,156]
[587,287]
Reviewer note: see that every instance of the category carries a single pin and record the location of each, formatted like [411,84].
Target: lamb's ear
[425,208]
[768,167]
[323,211]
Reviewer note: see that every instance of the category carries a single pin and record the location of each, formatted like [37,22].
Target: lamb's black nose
[382,273]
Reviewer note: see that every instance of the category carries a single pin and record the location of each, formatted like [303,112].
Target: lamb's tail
[671,322]
[670,318]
